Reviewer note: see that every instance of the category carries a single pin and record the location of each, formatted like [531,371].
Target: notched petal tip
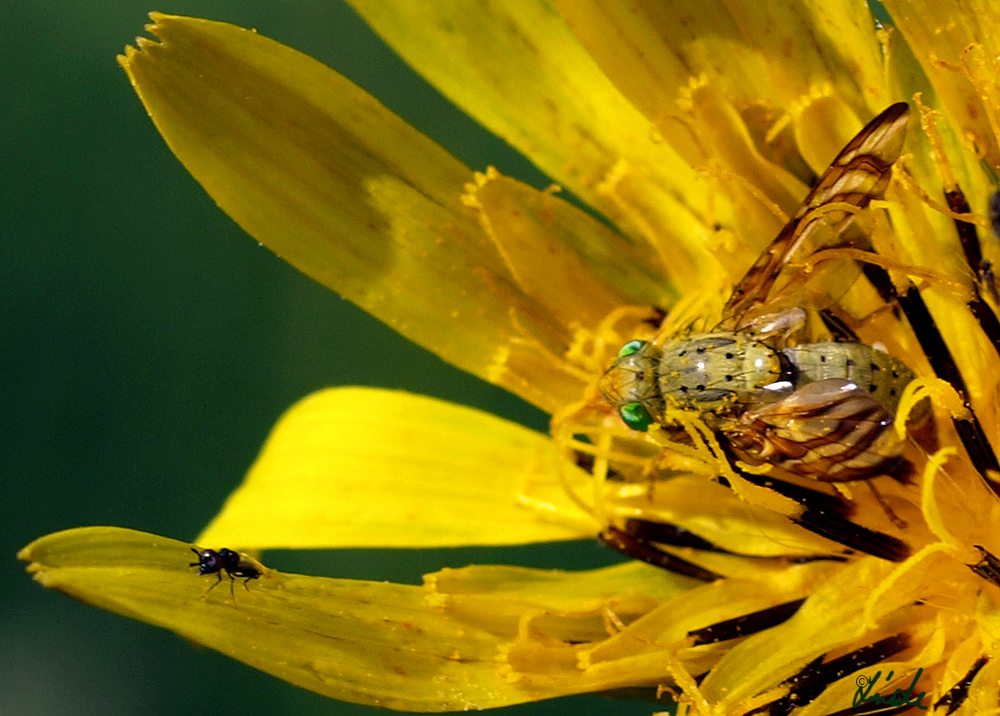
[160,21]
[154,28]
[143,46]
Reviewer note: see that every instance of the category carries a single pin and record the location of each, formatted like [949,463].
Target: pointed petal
[348,193]
[360,467]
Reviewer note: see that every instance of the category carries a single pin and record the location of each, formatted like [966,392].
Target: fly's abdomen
[874,372]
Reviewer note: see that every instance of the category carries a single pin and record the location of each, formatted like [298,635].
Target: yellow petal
[443,647]
[326,635]
[828,619]
[958,47]
[573,265]
[716,514]
[347,192]
[770,62]
[776,55]
[559,590]
[360,467]
[748,95]
[518,69]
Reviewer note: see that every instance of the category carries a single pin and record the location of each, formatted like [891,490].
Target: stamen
[957,694]
[746,624]
[814,678]
[620,541]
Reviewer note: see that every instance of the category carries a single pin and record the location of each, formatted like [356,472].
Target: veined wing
[860,173]
[831,430]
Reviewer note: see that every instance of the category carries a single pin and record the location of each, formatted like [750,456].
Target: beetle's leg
[219,575]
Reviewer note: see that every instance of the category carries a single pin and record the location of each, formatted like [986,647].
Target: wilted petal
[361,467]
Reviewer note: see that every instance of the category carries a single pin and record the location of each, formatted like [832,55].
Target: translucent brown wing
[830,430]
[860,173]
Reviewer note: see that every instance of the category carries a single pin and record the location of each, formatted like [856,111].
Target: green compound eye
[634,415]
[630,348]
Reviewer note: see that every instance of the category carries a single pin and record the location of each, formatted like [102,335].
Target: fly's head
[630,385]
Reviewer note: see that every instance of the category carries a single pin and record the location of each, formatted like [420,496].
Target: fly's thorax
[875,372]
[717,371]
[632,378]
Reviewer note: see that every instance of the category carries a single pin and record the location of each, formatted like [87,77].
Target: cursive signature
[898,698]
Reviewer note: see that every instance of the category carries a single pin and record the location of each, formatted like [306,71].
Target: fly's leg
[898,521]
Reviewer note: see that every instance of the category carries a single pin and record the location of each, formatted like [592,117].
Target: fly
[823,410]
[232,563]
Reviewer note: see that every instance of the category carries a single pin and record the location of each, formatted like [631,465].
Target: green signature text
[898,698]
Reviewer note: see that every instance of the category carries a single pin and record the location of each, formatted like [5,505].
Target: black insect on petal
[229,561]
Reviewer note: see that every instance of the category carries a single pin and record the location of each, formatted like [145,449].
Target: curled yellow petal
[759,55]
[747,95]
[361,467]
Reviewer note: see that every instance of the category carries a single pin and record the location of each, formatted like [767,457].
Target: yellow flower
[693,131]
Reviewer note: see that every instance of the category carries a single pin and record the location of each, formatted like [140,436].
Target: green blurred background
[148,345]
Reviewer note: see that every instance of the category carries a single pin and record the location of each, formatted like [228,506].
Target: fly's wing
[860,173]
[830,430]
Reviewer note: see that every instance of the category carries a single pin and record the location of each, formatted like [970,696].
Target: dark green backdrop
[148,345]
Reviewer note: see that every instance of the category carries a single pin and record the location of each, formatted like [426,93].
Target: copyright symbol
[861,681]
